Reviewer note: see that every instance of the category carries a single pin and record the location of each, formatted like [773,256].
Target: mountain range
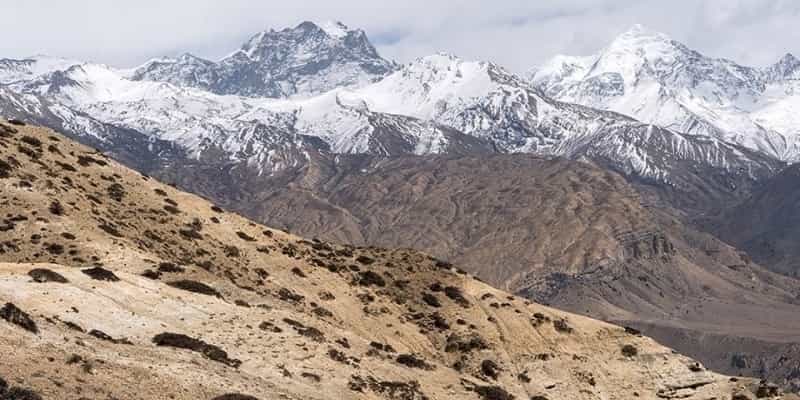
[652,78]
[588,178]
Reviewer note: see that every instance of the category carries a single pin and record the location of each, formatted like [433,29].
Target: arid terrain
[117,286]
[564,233]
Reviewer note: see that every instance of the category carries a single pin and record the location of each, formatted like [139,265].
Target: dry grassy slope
[563,233]
[296,318]
[556,230]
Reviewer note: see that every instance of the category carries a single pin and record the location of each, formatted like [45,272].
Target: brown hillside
[116,286]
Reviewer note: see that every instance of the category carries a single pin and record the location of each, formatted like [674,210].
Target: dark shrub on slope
[209,351]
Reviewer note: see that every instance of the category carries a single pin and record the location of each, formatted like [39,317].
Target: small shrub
[66,167]
[456,342]
[365,260]
[313,377]
[431,300]
[5,169]
[209,351]
[86,161]
[31,141]
[456,295]
[382,347]
[190,234]
[110,229]
[370,278]
[561,326]
[100,274]
[54,248]
[232,251]
[74,326]
[269,327]
[629,350]
[16,122]
[18,393]
[195,287]
[56,208]
[150,274]
[493,393]
[632,331]
[106,337]
[7,131]
[245,237]
[412,361]
[490,369]
[307,331]
[14,315]
[169,268]
[172,209]
[116,192]
[42,275]
[234,396]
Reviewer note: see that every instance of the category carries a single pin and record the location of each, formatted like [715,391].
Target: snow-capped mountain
[652,78]
[193,109]
[306,60]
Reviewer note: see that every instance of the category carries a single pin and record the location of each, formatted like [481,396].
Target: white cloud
[514,33]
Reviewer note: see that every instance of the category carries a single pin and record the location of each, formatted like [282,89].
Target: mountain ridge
[653,78]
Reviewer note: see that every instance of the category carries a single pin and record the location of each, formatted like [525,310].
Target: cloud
[515,33]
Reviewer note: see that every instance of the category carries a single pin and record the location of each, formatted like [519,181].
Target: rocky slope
[766,224]
[560,232]
[652,78]
[115,285]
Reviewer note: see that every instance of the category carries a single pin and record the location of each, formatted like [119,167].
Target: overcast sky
[515,33]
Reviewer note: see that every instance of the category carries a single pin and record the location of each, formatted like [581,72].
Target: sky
[518,34]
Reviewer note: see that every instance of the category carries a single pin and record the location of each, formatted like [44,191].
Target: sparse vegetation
[455,294]
[195,287]
[370,278]
[5,169]
[14,315]
[116,192]
[493,393]
[234,396]
[209,351]
[490,369]
[307,331]
[412,361]
[562,326]
[100,274]
[629,350]
[56,208]
[42,275]
[245,237]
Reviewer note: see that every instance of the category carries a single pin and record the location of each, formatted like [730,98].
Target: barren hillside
[117,286]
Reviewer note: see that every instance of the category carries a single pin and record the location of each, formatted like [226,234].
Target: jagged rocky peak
[12,71]
[788,67]
[310,40]
[308,59]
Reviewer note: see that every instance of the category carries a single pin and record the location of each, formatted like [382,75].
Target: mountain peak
[308,59]
[639,31]
[788,59]
[786,68]
[334,29]
[639,36]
